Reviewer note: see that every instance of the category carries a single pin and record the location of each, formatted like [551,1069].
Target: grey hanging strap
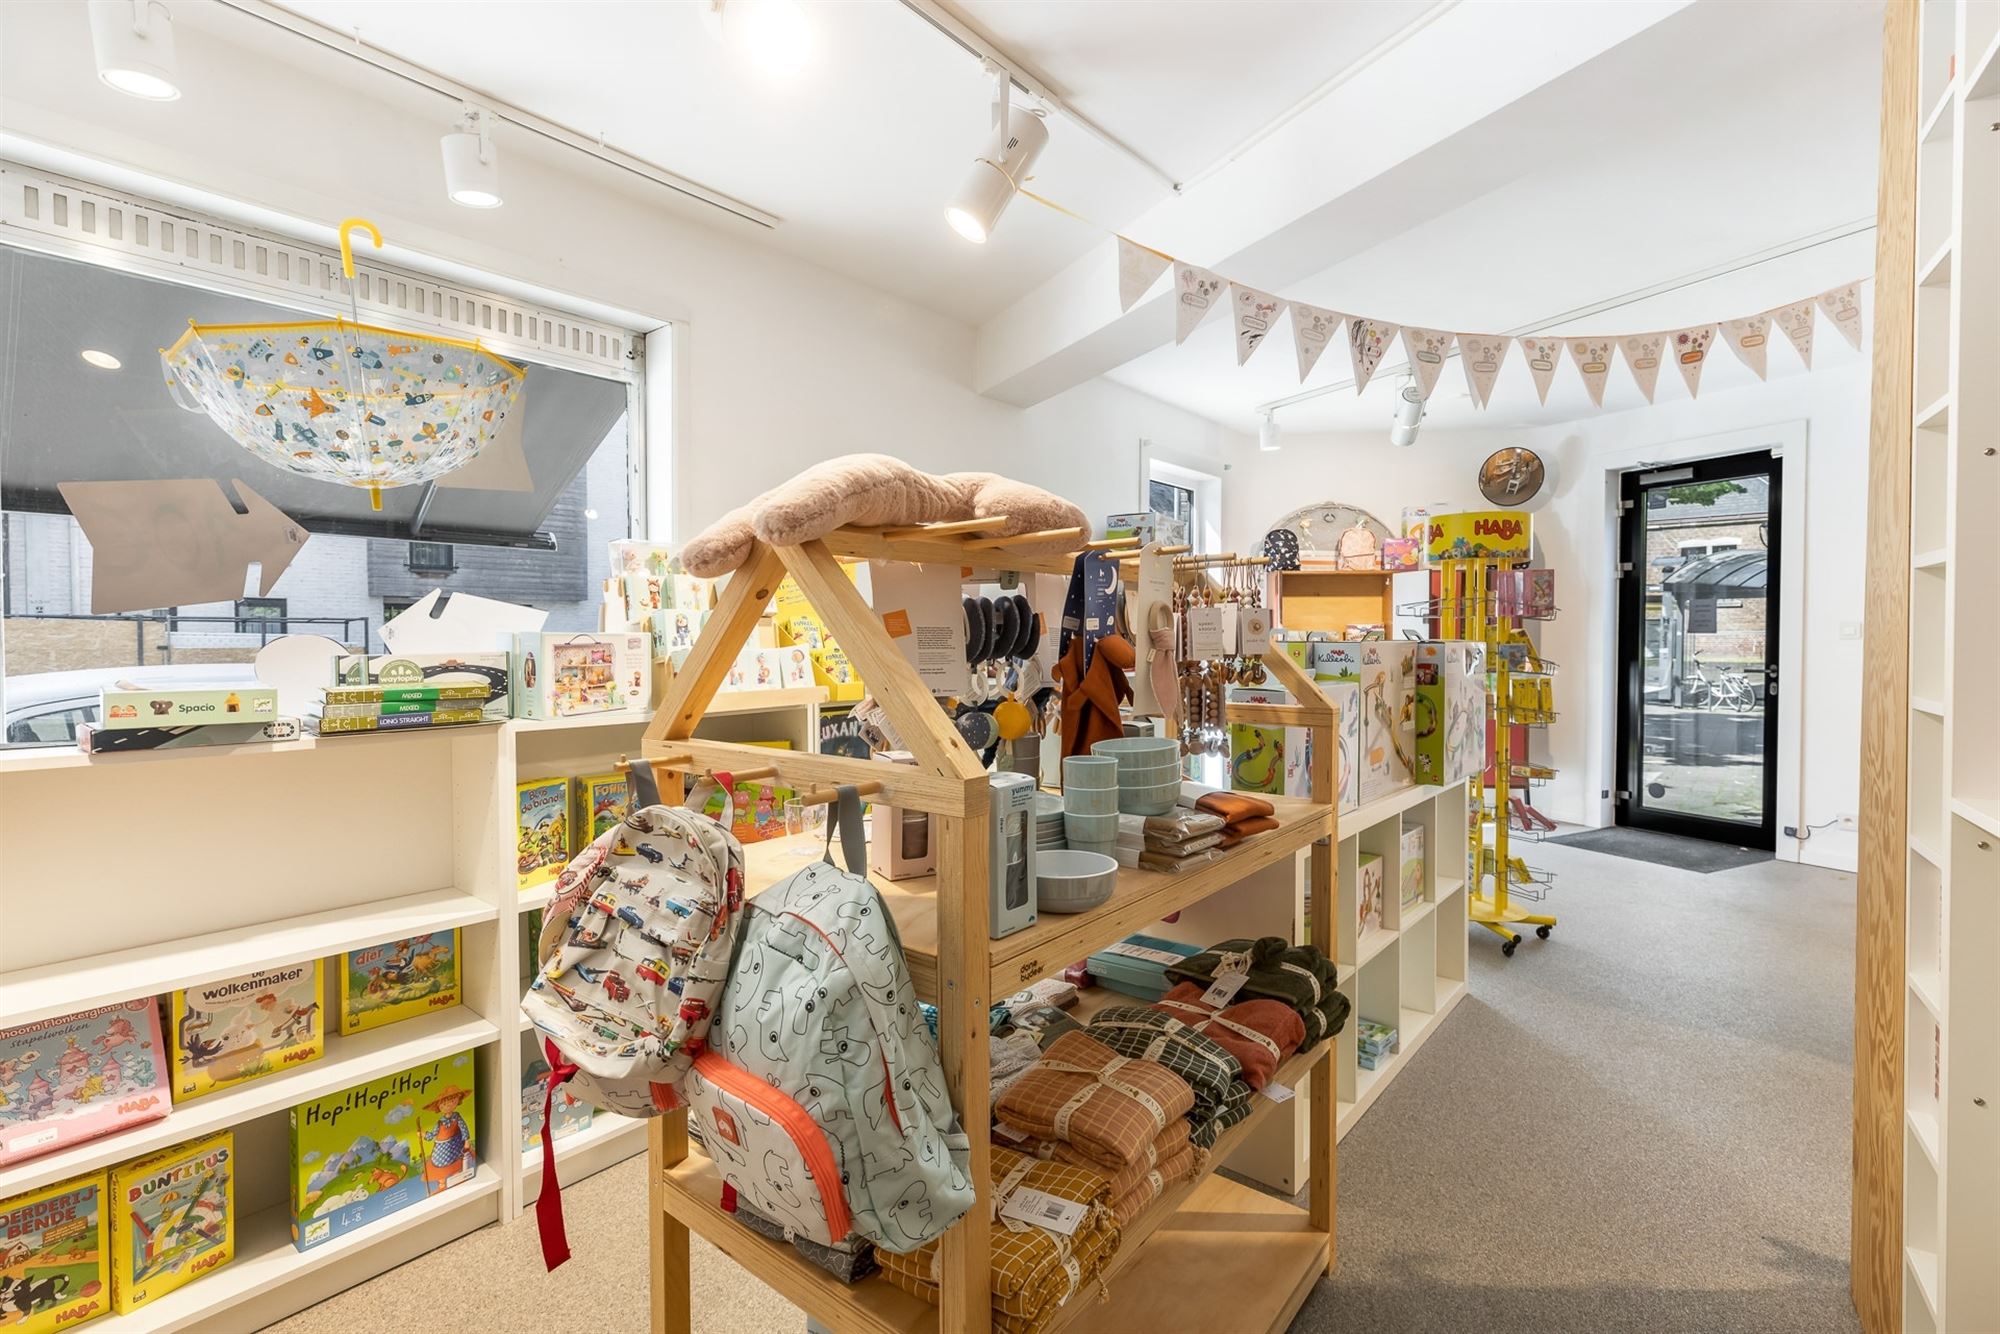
[846,817]
[645,788]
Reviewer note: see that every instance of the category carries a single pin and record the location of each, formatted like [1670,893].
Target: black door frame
[1631,809]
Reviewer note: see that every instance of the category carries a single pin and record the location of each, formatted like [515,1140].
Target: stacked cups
[1090,803]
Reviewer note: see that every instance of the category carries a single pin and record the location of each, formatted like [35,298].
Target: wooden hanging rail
[1163,551]
[947,529]
[1029,539]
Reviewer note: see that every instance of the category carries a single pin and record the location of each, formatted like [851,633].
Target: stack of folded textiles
[1035,1270]
[1221,1098]
[1109,1108]
[1176,841]
[1260,1034]
[1242,814]
[1274,969]
[1171,1157]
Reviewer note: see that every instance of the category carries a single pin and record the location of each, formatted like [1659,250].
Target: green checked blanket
[1298,975]
[1146,1034]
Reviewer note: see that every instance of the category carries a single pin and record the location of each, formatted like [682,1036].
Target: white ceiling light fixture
[1409,415]
[1019,136]
[471,161]
[104,361]
[773,35]
[133,41]
[1267,433]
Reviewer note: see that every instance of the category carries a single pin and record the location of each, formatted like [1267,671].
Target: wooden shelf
[1370,947]
[1414,1028]
[51,990]
[1382,808]
[1416,912]
[1332,600]
[41,759]
[348,1061]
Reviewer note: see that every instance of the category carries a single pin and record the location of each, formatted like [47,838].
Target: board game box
[122,707]
[405,670]
[399,980]
[561,675]
[568,1113]
[1412,866]
[368,1151]
[601,801]
[67,1080]
[243,1028]
[172,1219]
[1368,894]
[53,1273]
[541,821]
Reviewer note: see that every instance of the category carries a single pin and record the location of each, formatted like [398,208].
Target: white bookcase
[1951,1211]
[131,875]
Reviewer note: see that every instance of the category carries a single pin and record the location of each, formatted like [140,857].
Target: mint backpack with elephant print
[820,1095]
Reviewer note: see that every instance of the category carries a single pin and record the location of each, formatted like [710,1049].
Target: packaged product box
[54,1269]
[561,675]
[645,573]
[756,669]
[122,708]
[542,830]
[901,845]
[1346,699]
[67,1080]
[399,980]
[172,1219]
[568,1113]
[92,740]
[374,721]
[1526,694]
[1450,710]
[1402,553]
[1273,760]
[243,1028]
[602,800]
[1385,672]
[757,808]
[1368,893]
[406,670]
[368,1151]
[1412,866]
[799,625]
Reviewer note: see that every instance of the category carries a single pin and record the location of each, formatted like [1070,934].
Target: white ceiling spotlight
[1019,136]
[104,361]
[133,41]
[1409,414]
[471,162]
[1267,432]
[773,35]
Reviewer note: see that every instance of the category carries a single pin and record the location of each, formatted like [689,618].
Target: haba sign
[1480,535]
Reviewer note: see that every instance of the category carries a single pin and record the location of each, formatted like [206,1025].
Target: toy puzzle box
[67,1080]
[601,801]
[541,827]
[368,1151]
[171,1219]
[243,1028]
[399,980]
[52,1263]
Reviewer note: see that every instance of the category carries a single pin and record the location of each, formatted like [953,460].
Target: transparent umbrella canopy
[345,402]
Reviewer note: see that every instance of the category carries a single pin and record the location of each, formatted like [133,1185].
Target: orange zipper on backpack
[799,1127]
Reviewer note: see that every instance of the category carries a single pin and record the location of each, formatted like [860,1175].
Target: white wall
[780,363]
[1824,416]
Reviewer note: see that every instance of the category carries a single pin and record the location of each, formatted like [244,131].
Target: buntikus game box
[52,1262]
[368,1151]
[63,1081]
[404,978]
[172,1219]
[244,1028]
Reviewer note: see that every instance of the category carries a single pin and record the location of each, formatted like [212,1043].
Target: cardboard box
[1346,697]
[487,668]
[901,843]
[1368,892]
[1412,866]
[1450,710]
[563,675]
[1385,673]
[57,1236]
[104,741]
[1276,761]
[178,707]
[172,1219]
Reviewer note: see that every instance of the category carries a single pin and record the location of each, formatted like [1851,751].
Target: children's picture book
[53,1272]
[1368,894]
[601,802]
[567,1113]
[399,980]
[368,1151]
[541,807]
[171,1219]
[67,1080]
[1413,865]
[243,1028]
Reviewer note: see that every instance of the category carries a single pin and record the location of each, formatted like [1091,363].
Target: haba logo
[1500,529]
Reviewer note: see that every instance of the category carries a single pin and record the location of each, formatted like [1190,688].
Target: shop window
[264,617]
[431,558]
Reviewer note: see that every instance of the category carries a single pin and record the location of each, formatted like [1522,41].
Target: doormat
[1647,845]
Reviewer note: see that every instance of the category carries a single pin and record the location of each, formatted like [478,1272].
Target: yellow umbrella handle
[347,246]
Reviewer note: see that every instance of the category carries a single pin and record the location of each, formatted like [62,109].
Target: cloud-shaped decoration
[401,1112]
[310,1157]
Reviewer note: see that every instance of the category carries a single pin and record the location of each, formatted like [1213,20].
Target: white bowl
[1156,800]
[1073,881]
[1090,801]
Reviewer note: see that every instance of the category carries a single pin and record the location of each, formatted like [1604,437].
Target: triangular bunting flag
[1482,355]
[1427,349]
[1592,356]
[1642,358]
[1198,292]
[1256,315]
[1749,336]
[1138,266]
[1313,327]
[1796,321]
[1542,354]
[1690,349]
[1367,340]
[1843,306]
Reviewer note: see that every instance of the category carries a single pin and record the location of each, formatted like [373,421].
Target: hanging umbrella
[342,401]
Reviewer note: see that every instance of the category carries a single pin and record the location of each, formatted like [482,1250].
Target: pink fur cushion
[872,491]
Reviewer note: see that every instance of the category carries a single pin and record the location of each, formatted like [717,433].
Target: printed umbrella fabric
[343,402]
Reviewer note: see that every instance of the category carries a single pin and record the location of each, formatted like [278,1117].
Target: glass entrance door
[1697,648]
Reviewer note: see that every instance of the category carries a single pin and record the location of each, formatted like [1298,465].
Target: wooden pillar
[1876,1271]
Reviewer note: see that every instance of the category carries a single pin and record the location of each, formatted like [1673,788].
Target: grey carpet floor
[1640,1125]
[1650,845]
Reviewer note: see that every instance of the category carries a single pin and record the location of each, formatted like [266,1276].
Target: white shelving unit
[1951,1213]
[212,862]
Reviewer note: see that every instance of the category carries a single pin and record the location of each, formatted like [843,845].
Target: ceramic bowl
[1145,775]
[1155,800]
[1107,850]
[1091,828]
[1090,801]
[1073,881]
[1139,749]
[1090,771]
[1048,805]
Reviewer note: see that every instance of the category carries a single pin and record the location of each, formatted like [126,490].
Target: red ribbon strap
[548,1205]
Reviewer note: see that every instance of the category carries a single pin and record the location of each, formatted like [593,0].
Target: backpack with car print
[820,1096]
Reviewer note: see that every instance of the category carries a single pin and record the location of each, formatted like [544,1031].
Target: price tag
[1150,955]
[1043,1210]
[1221,991]
[1277,1092]
[1207,636]
[1254,632]
[1009,1133]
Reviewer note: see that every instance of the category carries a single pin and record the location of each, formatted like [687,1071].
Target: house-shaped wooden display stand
[1209,1254]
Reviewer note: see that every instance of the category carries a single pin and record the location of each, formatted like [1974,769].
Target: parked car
[46,708]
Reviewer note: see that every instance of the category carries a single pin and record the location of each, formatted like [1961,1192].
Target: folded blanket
[1235,807]
[1162,862]
[1260,1034]
[1167,848]
[1179,823]
[1136,1199]
[1233,1107]
[1298,975]
[1171,1142]
[1046,1022]
[1238,830]
[1013,1055]
[1147,1034]
[1106,1106]
[1035,1271]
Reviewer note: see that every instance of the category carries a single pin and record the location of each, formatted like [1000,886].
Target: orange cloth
[1236,807]
[1091,696]
[1242,829]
